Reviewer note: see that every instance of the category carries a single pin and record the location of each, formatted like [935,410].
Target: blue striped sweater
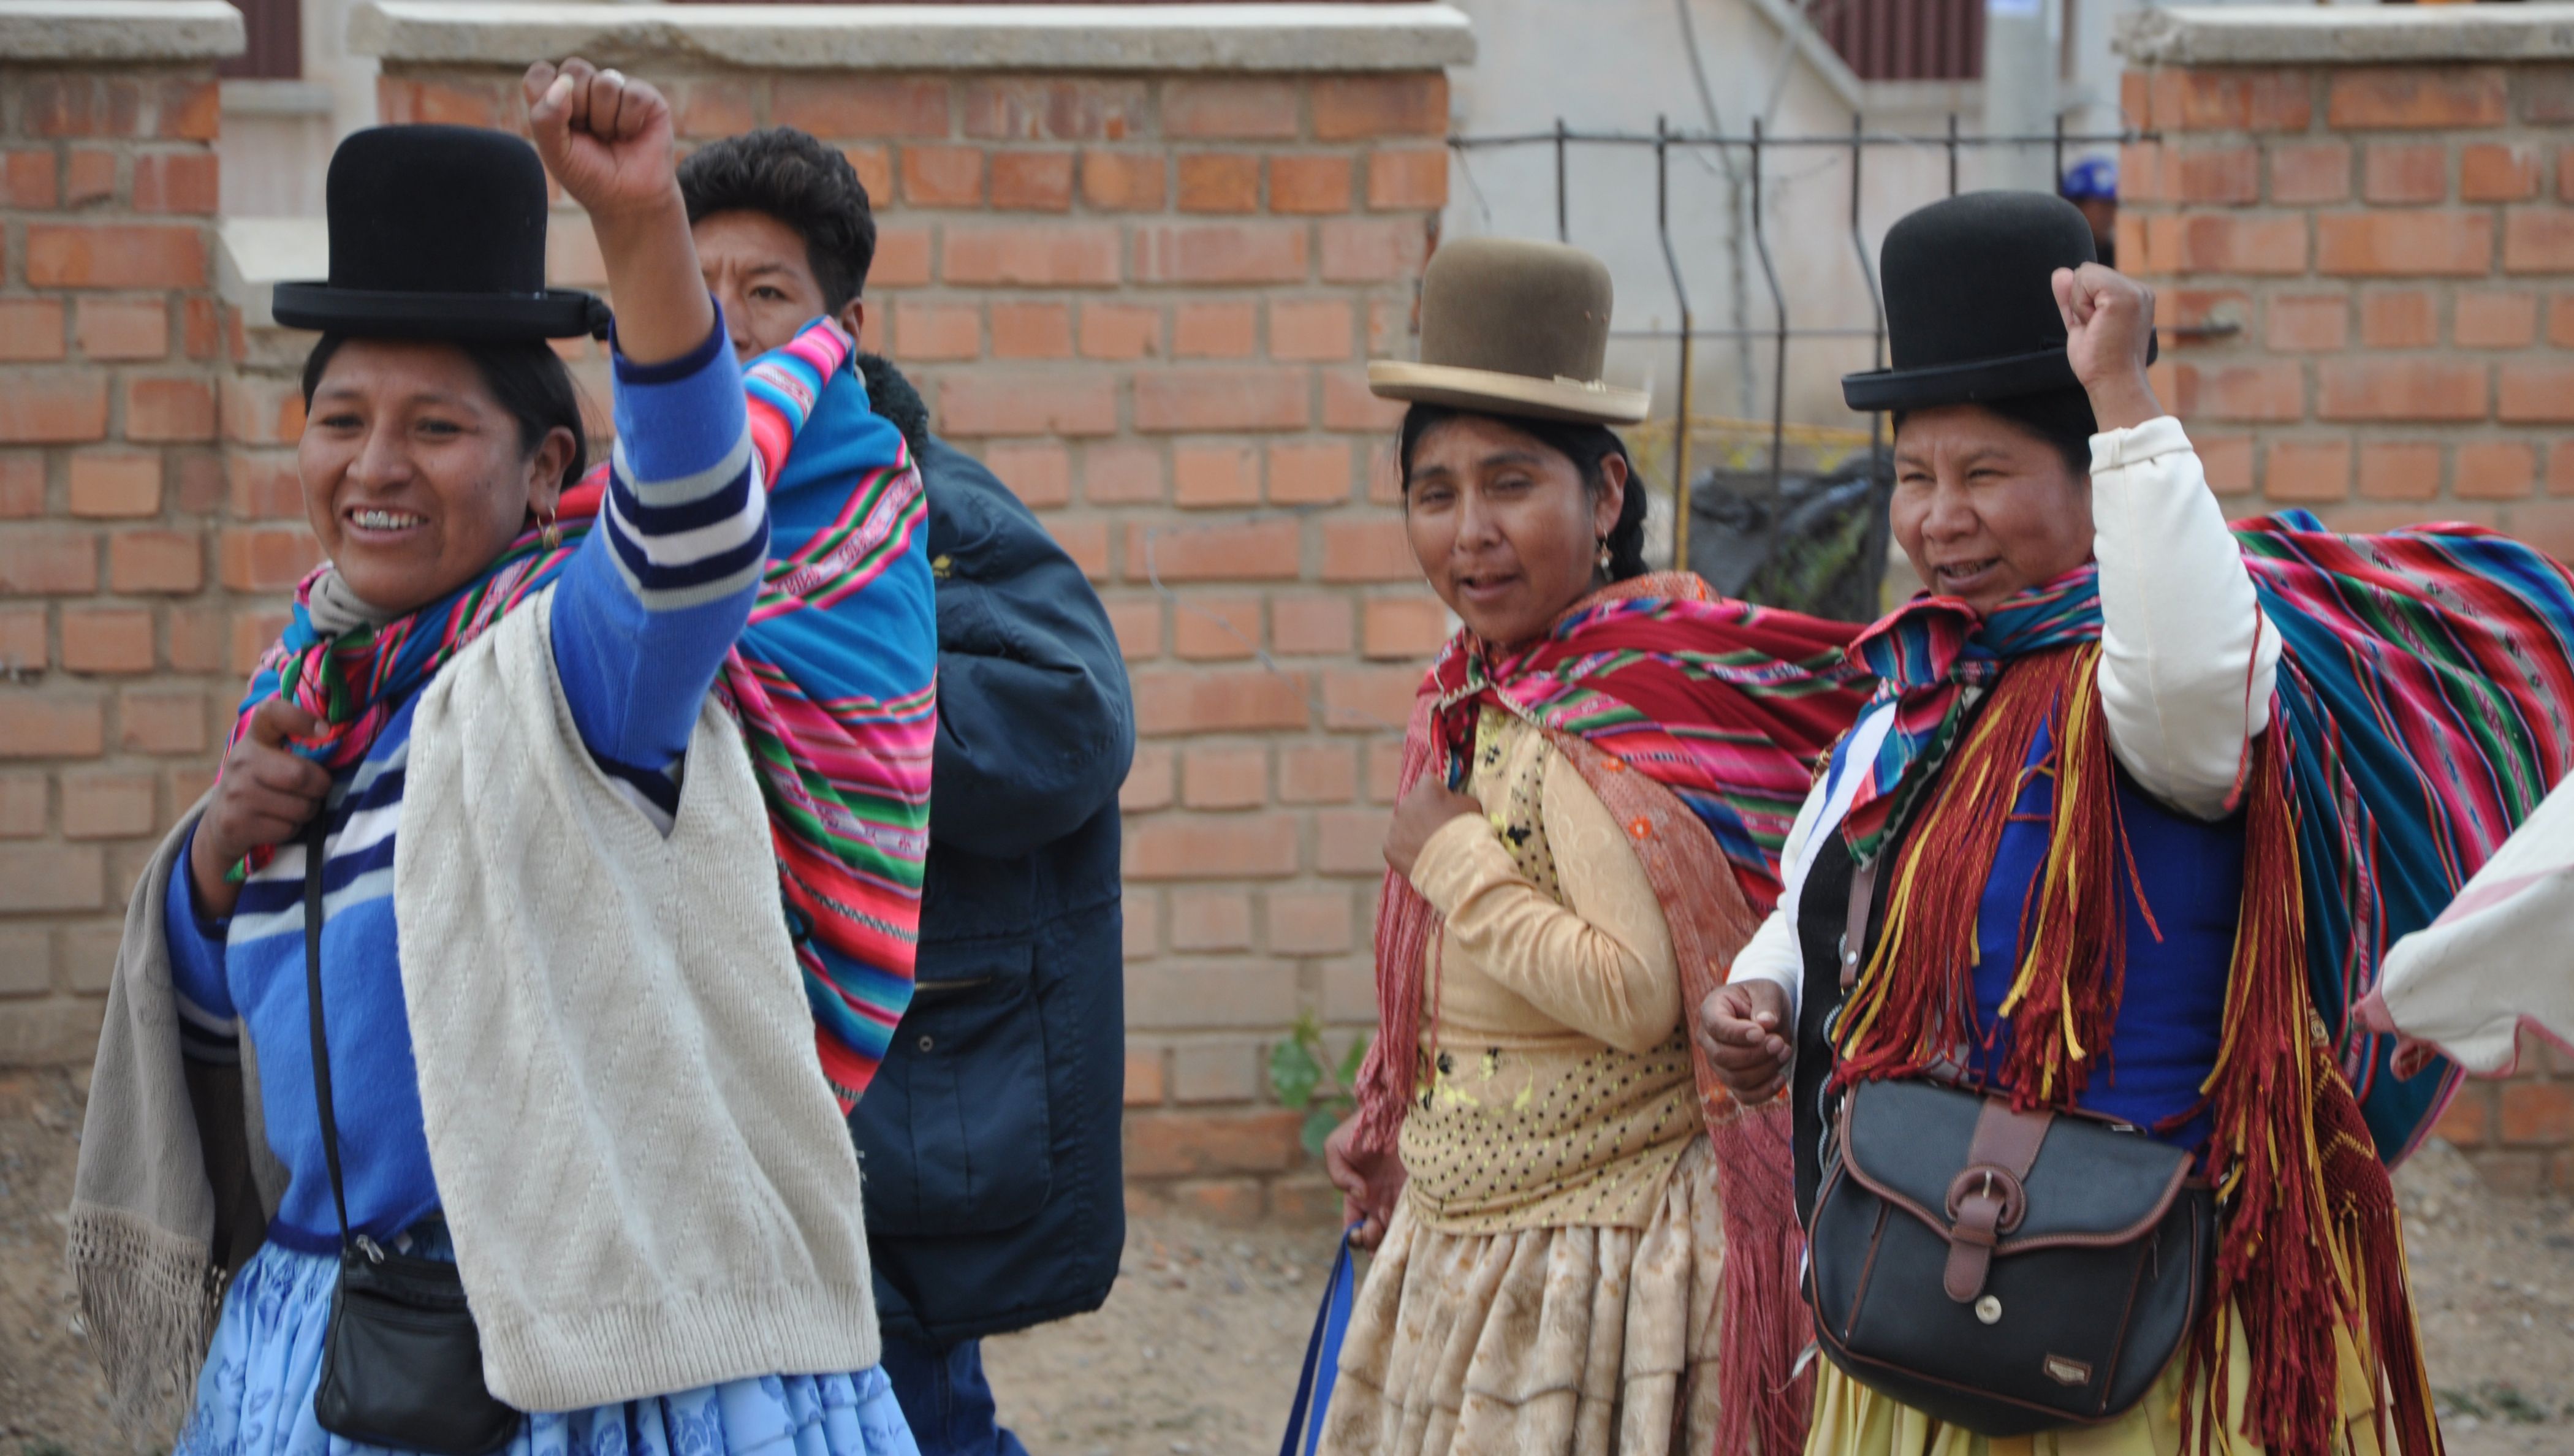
[643,614]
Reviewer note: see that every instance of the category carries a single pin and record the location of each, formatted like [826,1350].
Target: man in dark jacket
[989,1137]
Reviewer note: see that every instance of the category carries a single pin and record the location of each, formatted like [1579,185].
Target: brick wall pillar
[112,647]
[1141,279]
[2366,281]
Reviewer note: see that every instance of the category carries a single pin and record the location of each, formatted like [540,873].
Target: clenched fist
[265,797]
[2109,328]
[606,138]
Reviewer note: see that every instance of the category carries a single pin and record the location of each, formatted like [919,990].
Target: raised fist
[604,136]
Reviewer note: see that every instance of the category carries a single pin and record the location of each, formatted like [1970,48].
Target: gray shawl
[176,1182]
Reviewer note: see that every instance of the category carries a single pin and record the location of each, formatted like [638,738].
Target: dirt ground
[1196,1351]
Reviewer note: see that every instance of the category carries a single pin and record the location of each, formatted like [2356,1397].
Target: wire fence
[1754,156]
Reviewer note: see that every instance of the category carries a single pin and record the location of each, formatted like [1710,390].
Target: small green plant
[1302,1075]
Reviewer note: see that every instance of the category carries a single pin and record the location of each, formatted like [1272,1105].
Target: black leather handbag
[2003,1271]
[401,1364]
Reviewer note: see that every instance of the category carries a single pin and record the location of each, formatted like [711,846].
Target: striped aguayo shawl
[846,779]
[1698,721]
[2420,714]
[2427,684]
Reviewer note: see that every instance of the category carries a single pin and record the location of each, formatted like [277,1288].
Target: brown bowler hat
[1513,328]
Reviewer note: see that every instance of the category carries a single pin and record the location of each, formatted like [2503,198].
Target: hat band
[1959,384]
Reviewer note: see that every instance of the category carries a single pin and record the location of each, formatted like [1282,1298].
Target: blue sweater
[643,616]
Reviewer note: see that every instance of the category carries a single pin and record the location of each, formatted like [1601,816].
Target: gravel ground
[1195,1353]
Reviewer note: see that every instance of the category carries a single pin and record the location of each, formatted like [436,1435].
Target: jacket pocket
[955,1134]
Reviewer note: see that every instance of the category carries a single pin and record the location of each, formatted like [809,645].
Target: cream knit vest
[647,1182]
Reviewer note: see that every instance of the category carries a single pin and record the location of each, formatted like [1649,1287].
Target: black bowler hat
[437,232]
[1970,309]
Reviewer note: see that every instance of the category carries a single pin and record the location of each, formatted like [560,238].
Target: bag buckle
[1984,1202]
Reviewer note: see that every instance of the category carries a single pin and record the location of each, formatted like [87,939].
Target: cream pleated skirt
[1570,1341]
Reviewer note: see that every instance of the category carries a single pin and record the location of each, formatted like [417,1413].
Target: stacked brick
[1146,302]
[115,652]
[2366,280]
[2373,274]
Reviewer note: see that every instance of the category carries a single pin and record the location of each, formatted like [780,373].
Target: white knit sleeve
[2186,658]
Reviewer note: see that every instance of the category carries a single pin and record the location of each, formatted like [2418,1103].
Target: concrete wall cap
[1125,37]
[2269,35]
[118,30]
[253,255]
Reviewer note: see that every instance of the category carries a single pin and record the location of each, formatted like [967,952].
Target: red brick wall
[2395,247]
[1146,302]
[113,630]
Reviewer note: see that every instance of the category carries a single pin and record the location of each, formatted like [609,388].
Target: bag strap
[1322,1356]
[1862,903]
[313,834]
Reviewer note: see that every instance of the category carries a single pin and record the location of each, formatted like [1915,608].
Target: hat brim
[1492,392]
[1971,382]
[466,318]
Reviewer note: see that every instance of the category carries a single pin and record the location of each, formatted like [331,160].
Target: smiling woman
[449,854]
[421,460]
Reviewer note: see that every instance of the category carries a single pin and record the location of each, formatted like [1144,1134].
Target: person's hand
[604,136]
[1369,1183]
[607,139]
[263,797]
[1427,806]
[2412,1057]
[2108,326]
[1741,1026]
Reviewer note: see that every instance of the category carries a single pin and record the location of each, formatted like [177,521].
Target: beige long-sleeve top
[1588,954]
[2186,660]
[1556,1088]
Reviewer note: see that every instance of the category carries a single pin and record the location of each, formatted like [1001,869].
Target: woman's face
[1503,525]
[1984,508]
[414,477]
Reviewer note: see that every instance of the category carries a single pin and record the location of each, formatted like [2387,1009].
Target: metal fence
[1752,157]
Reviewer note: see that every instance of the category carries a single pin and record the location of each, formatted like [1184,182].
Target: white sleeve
[1772,953]
[2186,658]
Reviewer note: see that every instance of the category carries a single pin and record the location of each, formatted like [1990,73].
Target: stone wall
[114,651]
[2361,224]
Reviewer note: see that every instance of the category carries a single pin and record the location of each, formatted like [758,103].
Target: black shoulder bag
[2003,1271]
[401,1364]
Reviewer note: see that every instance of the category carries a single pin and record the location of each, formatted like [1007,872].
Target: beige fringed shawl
[175,1183]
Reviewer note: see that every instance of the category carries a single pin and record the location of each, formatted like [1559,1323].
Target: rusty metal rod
[1679,290]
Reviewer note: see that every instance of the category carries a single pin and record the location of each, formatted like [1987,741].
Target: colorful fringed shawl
[2419,713]
[846,778]
[1698,721]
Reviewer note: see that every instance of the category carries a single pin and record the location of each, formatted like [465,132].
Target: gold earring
[550,531]
[1603,553]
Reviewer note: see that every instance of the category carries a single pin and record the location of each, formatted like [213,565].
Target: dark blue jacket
[990,1138]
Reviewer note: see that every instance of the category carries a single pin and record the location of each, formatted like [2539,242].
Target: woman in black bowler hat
[536,1152]
[2056,864]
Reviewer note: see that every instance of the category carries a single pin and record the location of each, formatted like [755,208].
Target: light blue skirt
[255,1396]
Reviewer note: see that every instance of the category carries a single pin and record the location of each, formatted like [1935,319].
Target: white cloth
[2498,956]
[2187,662]
[647,1181]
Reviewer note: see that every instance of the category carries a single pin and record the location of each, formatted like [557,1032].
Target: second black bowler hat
[437,232]
[1969,306]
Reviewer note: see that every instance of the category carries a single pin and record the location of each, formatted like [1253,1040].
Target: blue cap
[2089,178]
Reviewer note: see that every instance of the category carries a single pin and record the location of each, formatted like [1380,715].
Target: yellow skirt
[1578,1341]
[1853,1420]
